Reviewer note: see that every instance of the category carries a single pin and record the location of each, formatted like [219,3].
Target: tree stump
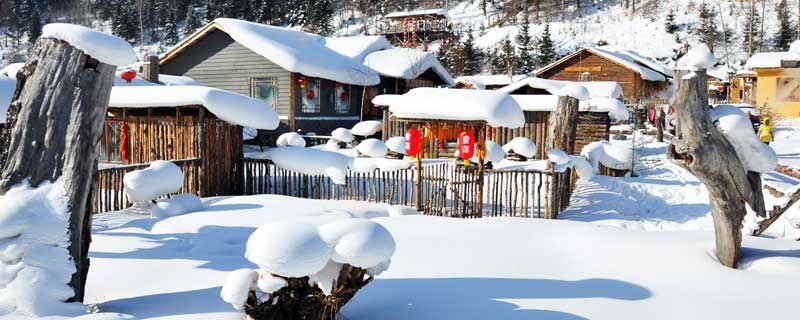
[561,135]
[702,149]
[60,103]
[660,124]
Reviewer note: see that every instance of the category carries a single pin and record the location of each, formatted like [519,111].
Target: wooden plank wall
[162,137]
[221,165]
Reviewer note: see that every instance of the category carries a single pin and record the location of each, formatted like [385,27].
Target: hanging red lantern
[466,145]
[721,89]
[310,94]
[413,138]
[302,83]
[128,75]
[123,143]
[343,96]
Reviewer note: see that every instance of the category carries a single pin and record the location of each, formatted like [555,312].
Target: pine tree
[192,22]
[171,36]
[525,63]
[445,55]
[785,29]
[125,21]
[708,28]
[545,48]
[264,14]
[299,14]
[508,57]
[321,17]
[495,62]
[471,56]
[34,25]
[753,20]
[212,11]
[670,25]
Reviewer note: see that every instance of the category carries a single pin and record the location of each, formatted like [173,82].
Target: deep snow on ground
[447,268]
[787,142]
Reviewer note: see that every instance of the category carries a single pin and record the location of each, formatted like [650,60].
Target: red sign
[128,75]
[413,138]
[466,145]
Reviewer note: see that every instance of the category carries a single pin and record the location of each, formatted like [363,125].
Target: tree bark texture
[660,124]
[702,149]
[62,103]
[561,135]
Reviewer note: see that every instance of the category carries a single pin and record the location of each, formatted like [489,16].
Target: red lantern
[413,138]
[343,96]
[302,83]
[466,145]
[128,75]
[310,94]
[721,89]
[123,144]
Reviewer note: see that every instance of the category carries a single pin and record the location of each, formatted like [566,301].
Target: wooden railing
[109,194]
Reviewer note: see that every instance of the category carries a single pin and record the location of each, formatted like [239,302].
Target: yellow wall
[766,95]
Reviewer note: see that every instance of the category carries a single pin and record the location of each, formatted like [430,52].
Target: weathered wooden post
[561,135]
[702,149]
[660,124]
[59,104]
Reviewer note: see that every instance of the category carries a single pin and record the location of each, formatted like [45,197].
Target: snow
[406,63]
[311,162]
[269,284]
[385,99]
[291,139]
[343,135]
[358,47]
[105,48]
[368,165]
[617,157]
[521,146]
[494,153]
[544,102]
[767,60]
[229,106]
[496,108]
[237,287]
[698,58]
[289,249]
[35,265]
[358,242]
[298,52]
[635,62]
[179,204]
[574,90]
[795,46]
[373,148]
[582,167]
[735,125]
[11,70]
[7,87]
[558,157]
[422,12]
[160,178]
[367,128]
[604,96]
[593,151]
[396,144]
[481,81]
[171,80]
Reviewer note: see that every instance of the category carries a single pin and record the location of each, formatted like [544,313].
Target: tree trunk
[700,148]
[62,101]
[660,124]
[561,135]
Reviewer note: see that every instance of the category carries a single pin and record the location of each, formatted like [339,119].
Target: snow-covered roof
[406,63]
[357,47]
[481,81]
[293,50]
[608,89]
[546,102]
[226,105]
[765,60]
[164,79]
[720,73]
[496,108]
[422,12]
[647,69]
[7,86]
[104,47]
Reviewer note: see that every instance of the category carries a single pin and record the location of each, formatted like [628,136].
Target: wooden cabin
[415,28]
[639,77]
[778,77]
[743,87]
[313,83]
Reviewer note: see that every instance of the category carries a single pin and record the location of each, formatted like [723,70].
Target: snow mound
[269,284]
[373,148]
[615,108]
[574,90]
[291,139]
[311,161]
[358,242]
[736,127]
[105,48]
[35,265]
[498,109]
[582,167]
[342,135]
[160,178]
[593,152]
[366,128]
[795,47]
[399,211]
[521,146]
[698,58]
[105,316]
[494,153]
[366,165]
[396,144]
[558,157]
[617,157]
[178,205]
[237,287]
[289,249]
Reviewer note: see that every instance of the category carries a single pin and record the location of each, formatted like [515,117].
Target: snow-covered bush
[343,135]
[299,263]
[160,178]
[366,128]
[311,161]
[291,139]
[521,146]
[178,205]
[373,148]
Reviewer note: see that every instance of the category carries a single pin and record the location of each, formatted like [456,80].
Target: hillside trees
[545,48]
[785,35]
[525,63]
[708,32]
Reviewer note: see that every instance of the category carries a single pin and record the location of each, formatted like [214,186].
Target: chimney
[150,68]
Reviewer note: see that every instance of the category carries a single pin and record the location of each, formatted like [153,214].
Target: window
[310,94]
[788,90]
[108,150]
[264,89]
[342,98]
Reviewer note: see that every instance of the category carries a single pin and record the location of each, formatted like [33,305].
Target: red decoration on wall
[721,88]
[128,75]
[466,145]
[123,141]
[302,82]
[413,138]
[343,96]
[310,94]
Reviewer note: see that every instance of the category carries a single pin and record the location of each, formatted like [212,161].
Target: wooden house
[415,28]
[777,75]
[718,85]
[638,76]
[313,83]
[743,87]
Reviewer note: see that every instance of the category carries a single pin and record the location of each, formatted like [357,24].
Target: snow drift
[160,178]
[105,48]
[311,161]
[735,125]
[291,139]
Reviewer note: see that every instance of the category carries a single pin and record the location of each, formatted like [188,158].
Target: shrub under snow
[366,128]
[521,146]
[373,148]
[178,205]
[161,178]
[396,144]
[291,139]
[342,135]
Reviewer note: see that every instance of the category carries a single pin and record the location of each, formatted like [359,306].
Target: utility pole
[750,28]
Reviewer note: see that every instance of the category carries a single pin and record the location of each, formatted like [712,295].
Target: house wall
[602,69]
[780,99]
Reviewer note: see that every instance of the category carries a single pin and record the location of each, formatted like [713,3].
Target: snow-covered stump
[561,136]
[58,111]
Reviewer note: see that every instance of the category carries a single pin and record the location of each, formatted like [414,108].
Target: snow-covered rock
[160,178]
[342,134]
[367,128]
[237,287]
[291,139]
[178,205]
[373,148]
[521,146]
[698,58]
[396,144]
[104,47]
[311,161]
[289,249]
[736,127]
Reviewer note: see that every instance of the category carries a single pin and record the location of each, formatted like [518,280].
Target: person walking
[765,131]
